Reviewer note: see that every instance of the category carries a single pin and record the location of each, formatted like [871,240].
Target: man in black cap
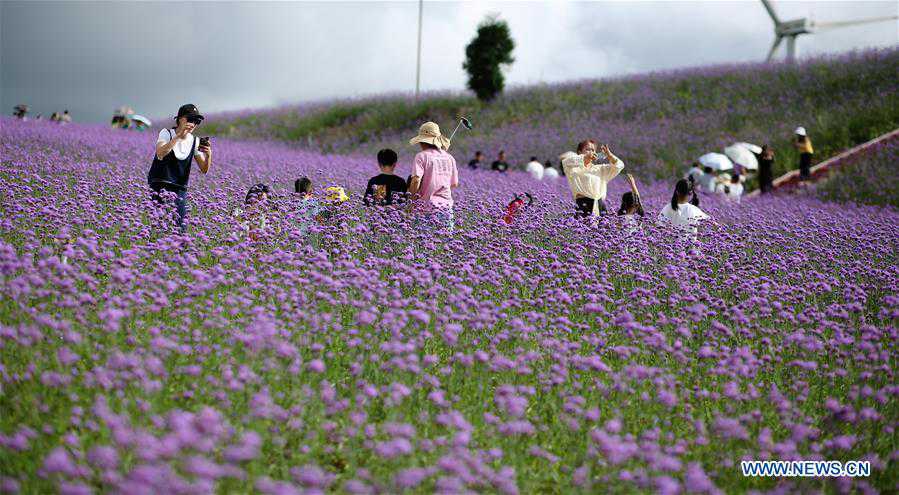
[176,149]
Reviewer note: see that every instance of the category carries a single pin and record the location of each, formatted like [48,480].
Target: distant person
[20,111]
[731,190]
[803,145]
[434,176]
[683,211]
[500,164]
[589,180]
[766,169]
[629,210]
[386,187]
[310,210]
[65,118]
[54,117]
[176,149]
[629,205]
[475,163]
[253,219]
[549,172]
[535,168]
[708,180]
[695,171]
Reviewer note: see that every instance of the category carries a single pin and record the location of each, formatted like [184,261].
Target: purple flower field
[365,356]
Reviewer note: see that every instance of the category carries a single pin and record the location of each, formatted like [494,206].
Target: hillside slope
[657,122]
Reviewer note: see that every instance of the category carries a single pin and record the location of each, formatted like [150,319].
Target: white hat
[801,131]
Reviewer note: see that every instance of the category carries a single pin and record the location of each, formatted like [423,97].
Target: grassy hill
[868,177]
[657,122]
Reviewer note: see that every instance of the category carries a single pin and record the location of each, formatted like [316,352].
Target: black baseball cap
[190,111]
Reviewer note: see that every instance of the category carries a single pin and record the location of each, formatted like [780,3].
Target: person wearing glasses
[176,149]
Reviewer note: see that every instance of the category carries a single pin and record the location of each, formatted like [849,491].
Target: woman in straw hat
[434,175]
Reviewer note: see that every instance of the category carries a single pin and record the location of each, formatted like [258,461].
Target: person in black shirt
[386,187]
[476,162]
[176,149]
[500,164]
[766,174]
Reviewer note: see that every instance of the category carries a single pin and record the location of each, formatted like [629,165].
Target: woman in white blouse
[683,212]
[589,180]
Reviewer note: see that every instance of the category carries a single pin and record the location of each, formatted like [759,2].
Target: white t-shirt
[535,169]
[686,216]
[734,191]
[550,173]
[182,148]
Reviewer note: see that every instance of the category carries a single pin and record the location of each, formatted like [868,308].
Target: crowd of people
[428,191]
[537,170]
[20,112]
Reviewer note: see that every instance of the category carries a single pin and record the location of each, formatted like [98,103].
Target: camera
[204,141]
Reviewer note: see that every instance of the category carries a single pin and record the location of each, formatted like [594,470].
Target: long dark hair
[256,192]
[628,202]
[681,190]
[303,185]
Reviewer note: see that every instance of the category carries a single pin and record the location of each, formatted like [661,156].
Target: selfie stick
[462,121]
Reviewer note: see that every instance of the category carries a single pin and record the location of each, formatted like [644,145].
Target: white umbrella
[716,161]
[751,147]
[141,119]
[742,156]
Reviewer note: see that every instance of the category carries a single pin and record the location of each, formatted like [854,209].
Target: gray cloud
[93,56]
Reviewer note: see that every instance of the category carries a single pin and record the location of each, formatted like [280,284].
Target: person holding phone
[589,180]
[176,149]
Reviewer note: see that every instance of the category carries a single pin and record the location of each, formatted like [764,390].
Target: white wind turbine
[792,29]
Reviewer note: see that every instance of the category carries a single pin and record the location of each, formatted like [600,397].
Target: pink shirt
[438,173]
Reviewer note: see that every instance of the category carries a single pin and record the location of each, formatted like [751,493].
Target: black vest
[170,171]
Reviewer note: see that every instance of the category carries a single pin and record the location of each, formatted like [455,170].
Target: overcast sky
[91,57]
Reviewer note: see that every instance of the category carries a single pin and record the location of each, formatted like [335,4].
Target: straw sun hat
[429,132]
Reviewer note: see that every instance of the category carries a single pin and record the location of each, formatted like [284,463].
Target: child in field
[385,188]
[253,219]
[683,212]
[631,206]
[310,210]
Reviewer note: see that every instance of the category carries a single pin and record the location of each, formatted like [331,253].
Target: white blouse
[591,182]
[686,216]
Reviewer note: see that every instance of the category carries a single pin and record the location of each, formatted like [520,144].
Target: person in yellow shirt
[803,145]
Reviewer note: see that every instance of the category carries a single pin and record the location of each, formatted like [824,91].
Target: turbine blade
[774,48]
[770,10]
[855,22]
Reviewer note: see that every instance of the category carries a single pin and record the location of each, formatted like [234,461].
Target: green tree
[490,49]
